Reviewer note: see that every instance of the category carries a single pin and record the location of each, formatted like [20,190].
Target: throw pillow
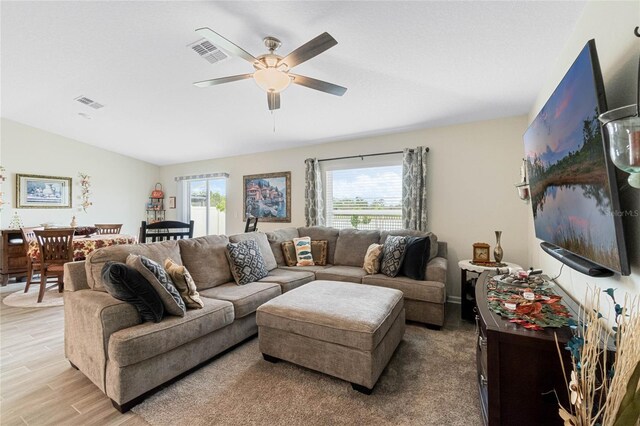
[184,283]
[371,263]
[126,284]
[319,250]
[303,251]
[247,264]
[416,257]
[289,253]
[161,282]
[392,255]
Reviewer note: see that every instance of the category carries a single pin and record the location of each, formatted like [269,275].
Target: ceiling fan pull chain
[274,121]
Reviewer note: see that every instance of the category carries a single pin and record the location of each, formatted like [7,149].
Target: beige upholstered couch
[106,339]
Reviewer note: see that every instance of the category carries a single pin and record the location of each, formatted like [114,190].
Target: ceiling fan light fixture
[272,80]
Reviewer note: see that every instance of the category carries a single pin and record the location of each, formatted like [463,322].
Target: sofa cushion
[322,233]
[393,253]
[303,251]
[352,245]
[157,252]
[314,268]
[416,257]
[346,314]
[352,274]
[134,344]
[247,264]
[289,280]
[263,245]
[371,263]
[184,283]
[245,298]
[206,260]
[318,252]
[125,283]
[161,282]
[276,238]
[433,245]
[428,291]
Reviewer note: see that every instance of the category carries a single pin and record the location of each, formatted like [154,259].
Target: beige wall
[472,169]
[120,185]
[611,24]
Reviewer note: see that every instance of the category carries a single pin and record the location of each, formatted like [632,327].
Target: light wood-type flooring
[37,384]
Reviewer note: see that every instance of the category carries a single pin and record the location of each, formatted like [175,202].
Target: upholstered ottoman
[342,329]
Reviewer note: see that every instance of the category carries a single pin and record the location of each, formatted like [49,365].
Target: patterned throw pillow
[125,283]
[319,251]
[303,251]
[247,263]
[392,255]
[371,263]
[184,283]
[161,282]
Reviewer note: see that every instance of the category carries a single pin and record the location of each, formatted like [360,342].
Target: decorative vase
[497,252]
[73,223]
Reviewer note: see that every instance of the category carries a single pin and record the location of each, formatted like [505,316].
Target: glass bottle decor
[497,252]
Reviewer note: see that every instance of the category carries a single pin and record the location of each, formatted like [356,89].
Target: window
[207,205]
[364,198]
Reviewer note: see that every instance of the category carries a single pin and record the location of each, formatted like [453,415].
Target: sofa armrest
[90,317]
[75,276]
[437,270]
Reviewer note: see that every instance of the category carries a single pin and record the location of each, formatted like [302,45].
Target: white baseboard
[454,299]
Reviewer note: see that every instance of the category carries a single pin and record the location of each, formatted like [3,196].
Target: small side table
[468,285]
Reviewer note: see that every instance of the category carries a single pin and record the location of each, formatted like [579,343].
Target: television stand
[576,262]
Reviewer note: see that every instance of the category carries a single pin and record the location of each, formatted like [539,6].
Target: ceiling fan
[272,72]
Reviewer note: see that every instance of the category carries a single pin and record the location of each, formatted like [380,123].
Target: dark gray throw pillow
[416,257]
[247,263]
[126,284]
[392,255]
[161,282]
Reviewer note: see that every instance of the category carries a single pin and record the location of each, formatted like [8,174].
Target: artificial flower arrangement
[85,184]
[604,391]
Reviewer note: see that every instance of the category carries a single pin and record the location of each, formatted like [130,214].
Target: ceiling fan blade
[227,45]
[308,50]
[213,82]
[320,85]
[273,98]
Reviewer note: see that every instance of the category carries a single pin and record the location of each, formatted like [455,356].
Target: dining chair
[108,228]
[251,225]
[165,230]
[56,249]
[28,236]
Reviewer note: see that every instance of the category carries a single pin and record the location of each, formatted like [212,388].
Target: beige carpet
[20,299]
[431,380]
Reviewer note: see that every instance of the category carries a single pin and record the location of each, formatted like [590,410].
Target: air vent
[89,102]
[208,51]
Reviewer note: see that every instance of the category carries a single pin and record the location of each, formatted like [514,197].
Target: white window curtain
[414,194]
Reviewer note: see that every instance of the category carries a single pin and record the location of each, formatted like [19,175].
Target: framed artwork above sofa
[268,196]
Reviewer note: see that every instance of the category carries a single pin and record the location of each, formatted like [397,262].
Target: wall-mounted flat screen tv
[574,195]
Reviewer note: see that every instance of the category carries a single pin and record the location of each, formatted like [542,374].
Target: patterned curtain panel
[414,194]
[313,205]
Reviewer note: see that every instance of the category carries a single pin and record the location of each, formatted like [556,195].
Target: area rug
[431,380]
[20,299]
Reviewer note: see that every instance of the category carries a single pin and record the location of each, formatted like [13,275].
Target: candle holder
[623,127]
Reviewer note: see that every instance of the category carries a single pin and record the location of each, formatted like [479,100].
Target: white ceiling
[406,65]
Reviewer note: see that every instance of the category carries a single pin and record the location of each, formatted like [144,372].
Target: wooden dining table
[83,245]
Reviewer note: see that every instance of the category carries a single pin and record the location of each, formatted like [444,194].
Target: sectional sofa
[127,358]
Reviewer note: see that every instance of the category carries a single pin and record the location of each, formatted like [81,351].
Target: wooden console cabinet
[12,256]
[519,369]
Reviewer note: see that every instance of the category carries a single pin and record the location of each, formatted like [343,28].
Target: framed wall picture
[268,196]
[43,192]
[172,202]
